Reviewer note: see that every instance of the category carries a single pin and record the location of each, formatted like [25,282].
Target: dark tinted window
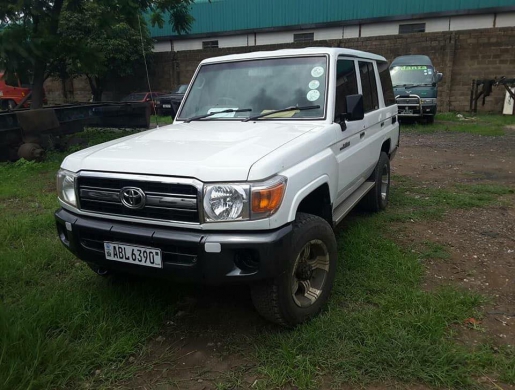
[386,83]
[346,84]
[304,37]
[412,28]
[369,86]
[210,45]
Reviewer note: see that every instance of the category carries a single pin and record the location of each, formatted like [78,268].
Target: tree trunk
[38,92]
[96,88]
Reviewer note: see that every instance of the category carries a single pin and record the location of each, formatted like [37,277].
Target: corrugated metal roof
[235,15]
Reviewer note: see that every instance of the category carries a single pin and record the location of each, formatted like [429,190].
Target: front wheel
[304,288]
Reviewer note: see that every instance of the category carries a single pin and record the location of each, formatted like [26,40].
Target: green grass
[60,323]
[411,201]
[432,250]
[482,124]
[161,120]
[380,326]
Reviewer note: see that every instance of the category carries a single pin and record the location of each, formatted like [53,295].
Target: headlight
[239,202]
[66,187]
[226,202]
[429,101]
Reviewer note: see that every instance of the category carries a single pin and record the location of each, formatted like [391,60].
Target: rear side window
[346,84]
[386,83]
[369,86]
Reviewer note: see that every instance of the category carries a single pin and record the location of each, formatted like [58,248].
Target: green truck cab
[415,81]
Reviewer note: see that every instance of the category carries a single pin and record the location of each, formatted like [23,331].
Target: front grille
[163,201]
[172,253]
[415,101]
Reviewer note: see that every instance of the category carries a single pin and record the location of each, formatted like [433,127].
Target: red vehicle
[143,97]
[11,96]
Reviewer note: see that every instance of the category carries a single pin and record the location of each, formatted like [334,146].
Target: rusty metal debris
[28,133]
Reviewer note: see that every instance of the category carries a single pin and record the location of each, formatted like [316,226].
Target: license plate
[167,106]
[406,111]
[150,257]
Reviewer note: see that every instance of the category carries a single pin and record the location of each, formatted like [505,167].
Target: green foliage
[101,49]
[99,38]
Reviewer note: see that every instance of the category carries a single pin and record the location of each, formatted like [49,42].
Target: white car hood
[207,150]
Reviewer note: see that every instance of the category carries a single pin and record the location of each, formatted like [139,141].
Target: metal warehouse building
[240,23]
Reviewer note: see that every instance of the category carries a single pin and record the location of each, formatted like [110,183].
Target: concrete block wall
[461,55]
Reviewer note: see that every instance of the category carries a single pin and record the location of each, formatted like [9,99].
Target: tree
[34,36]
[98,51]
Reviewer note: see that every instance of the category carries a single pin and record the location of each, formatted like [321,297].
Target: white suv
[269,151]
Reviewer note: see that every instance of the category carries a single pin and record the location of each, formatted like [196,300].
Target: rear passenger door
[375,115]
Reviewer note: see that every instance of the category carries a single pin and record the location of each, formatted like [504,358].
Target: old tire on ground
[31,151]
[304,288]
[377,198]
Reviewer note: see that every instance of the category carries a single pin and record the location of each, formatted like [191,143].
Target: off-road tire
[374,201]
[273,299]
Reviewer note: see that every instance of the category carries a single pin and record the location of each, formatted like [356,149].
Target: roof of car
[334,51]
[412,60]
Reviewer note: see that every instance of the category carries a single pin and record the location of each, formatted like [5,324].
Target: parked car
[415,82]
[149,97]
[169,104]
[269,151]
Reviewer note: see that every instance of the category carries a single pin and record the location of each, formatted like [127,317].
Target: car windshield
[134,97]
[412,75]
[181,89]
[262,85]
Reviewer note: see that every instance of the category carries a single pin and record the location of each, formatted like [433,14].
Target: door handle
[382,124]
[362,135]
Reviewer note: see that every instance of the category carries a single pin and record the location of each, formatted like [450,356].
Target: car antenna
[146,70]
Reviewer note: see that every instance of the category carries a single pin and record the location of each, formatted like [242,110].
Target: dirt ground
[206,339]
[480,242]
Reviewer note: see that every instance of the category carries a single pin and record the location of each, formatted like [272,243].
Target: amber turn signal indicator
[267,200]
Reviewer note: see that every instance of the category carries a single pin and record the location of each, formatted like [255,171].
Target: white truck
[268,152]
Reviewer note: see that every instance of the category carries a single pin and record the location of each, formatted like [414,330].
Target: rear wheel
[377,197]
[304,288]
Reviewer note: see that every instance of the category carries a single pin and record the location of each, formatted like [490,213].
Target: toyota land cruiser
[268,152]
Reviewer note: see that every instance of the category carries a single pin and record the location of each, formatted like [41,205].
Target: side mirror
[439,77]
[355,108]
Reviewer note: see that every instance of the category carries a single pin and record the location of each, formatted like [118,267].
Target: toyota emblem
[132,198]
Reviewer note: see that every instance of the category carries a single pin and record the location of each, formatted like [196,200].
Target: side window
[369,86]
[386,83]
[346,84]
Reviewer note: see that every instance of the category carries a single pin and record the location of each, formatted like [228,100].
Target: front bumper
[419,111]
[197,256]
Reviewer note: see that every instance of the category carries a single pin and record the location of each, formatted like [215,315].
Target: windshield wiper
[291,108]
[196,118]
